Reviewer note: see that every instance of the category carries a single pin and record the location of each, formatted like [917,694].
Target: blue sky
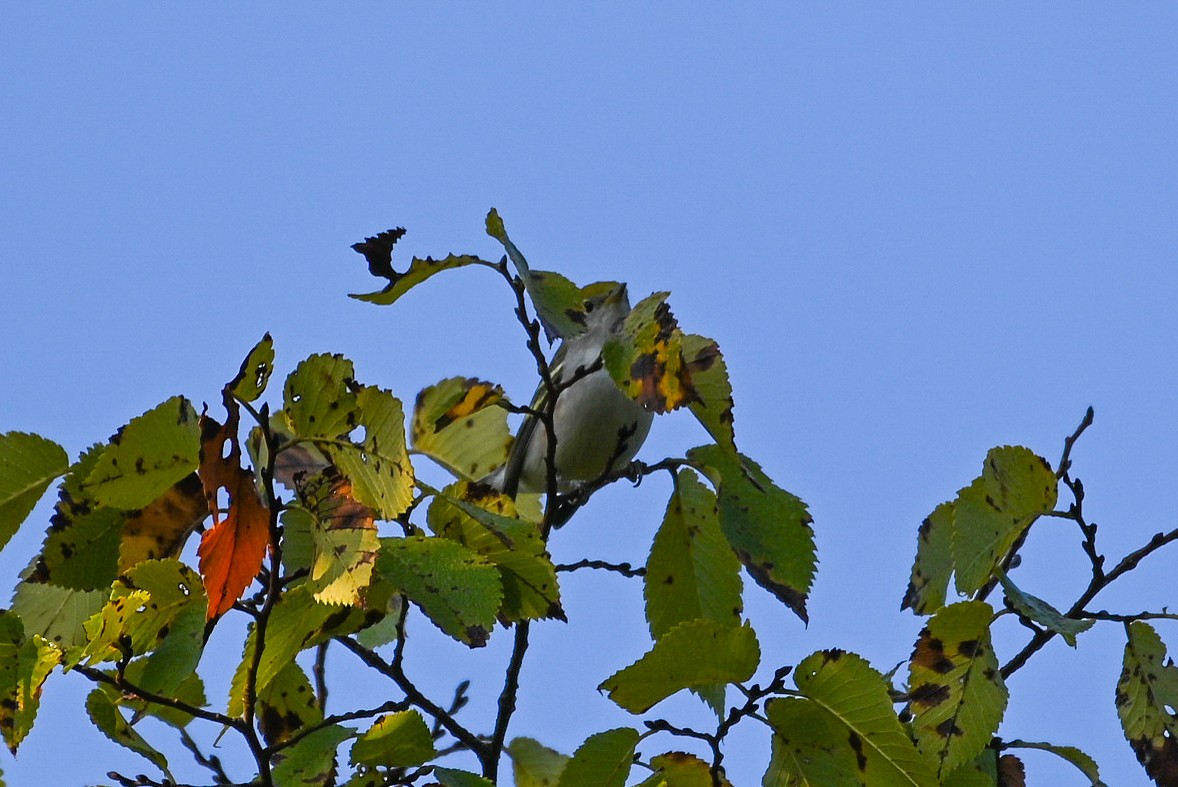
[917,232]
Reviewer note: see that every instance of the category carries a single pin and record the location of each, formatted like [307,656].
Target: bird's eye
[588,306]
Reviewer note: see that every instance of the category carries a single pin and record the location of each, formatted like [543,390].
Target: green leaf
[174,660]
[287,704]
[84,554]
[57,614]
[486,522]
[1147,694]
[856,696]
[147,456]
[449,777]
[712,405]
[191,691]
[298,546]
[559,303]
[767,527]
[458,589]
[1039,611]
[106,717]
[645,358]
[419,270]
[534,764]
[25,663]
[28,465]
[955,688]
[691,572]
[456,424]
[603,760]
[695,654]
[934,563]
[251,379]
[981,772]
[990,515]
[143,608]
[396,740]
[810,746]
[311,761]
[1082,761]
[318,400]
[378,466]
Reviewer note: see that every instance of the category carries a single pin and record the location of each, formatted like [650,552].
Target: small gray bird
[593,420]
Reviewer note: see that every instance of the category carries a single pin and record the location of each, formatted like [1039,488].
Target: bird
[595,423]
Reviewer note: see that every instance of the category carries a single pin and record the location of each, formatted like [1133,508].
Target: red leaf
[231,552]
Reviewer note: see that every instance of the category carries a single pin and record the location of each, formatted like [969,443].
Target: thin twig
[625,569]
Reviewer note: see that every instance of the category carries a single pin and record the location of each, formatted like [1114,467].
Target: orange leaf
[231,552]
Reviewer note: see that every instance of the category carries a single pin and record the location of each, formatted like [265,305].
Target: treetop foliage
[315,528]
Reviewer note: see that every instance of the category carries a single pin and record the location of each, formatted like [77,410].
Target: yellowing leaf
[456,424]
[767,527]
[145,457]
[287,704]
[679,769]
[25,662]
[955,688]
[1147,696]
[695,654]
[419,270]
[28,464]
[712,405]
[990,515]
[251,379]
[378,466]
[934,562]
[646,358]
[345,539]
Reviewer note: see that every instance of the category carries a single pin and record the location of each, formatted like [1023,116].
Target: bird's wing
[527,430]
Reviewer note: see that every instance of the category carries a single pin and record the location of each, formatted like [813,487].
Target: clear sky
[917,233]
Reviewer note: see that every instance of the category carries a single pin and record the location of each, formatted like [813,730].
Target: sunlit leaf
[955,688]
[934,562]
[190,690]
[1039,611]
[345,540]
[318,399]
[396,740]
[1147,696]
[28,465]
[419,270]
[458,589]
[990,515]
[856,696]
[534,764]
[143,609]
[485,521]
[107,718]
[378,466]
[767,527]
[456,424]
[25,661]
[691,572]
[603,760]
[145,457]
[251,379]
[695,654]
[231,552]
[982,771]
[448,777]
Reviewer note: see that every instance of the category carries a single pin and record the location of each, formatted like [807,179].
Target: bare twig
[625,569]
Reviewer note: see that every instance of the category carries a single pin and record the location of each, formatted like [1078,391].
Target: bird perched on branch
[598,428]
